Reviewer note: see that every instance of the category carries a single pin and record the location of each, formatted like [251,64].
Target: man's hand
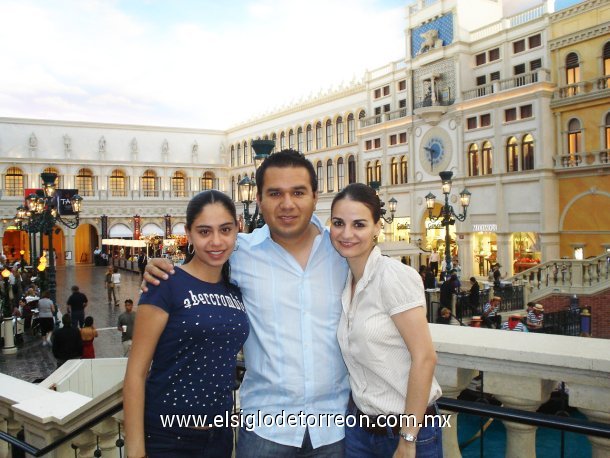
[156,269]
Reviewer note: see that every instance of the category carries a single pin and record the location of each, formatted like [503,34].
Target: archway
[58,245]
[13,241]
[434,234]
[85,241]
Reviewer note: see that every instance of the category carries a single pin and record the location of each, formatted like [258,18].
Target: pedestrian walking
[67,343]
[76,306]
[116,284]
[110,286]
[46,309]
[87,334]
[125,326]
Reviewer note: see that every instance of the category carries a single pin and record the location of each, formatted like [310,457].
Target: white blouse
[374,351]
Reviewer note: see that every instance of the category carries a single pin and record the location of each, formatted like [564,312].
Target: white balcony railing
[506,84]
[572,92]
[581,160]
[520,370]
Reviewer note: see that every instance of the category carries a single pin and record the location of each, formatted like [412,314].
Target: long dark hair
[362,193]
[196,206]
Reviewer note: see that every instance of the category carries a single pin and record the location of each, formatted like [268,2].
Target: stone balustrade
[521,370]
[565,276]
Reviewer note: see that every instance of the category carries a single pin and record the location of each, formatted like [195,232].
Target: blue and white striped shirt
[292,355]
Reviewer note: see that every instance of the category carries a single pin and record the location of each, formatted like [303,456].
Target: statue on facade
[195,151]
[67,145]
[134,149]
[102,144]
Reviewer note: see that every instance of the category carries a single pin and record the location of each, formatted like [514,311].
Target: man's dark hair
[283,159]
[129,301]
[75,289]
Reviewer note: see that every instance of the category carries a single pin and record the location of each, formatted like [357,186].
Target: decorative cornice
[582,35]
[579,8]
[327,96]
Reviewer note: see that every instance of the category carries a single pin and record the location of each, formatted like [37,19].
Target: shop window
[487,158]
[512,155]
[351,169]
[340,174]
[13,182]
[330,176]
[320,175]
[526,251]
[403,169]
[351,129]
[485,120]
[527,153]
[394,171]
[494,54]
[473,160]
[340,132]
[606,57]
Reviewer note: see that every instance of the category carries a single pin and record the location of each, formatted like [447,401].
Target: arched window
[232,156]
[282,141]
[318,135]
[117,184]
[246,158]
[362,114]
[178,184]
[340,174]
[58,181]
[233,193]
[207,181]
[239,158]
[320,176]
[369,173]
[291,139]
[351,169]
[378,171]
[574,143]
[572,72]
[84,182]
[309,137]
[527,152]
[403,169]
[512,155]
[351,129]
[473,160]
[300,139]
[606,57]
[330,176]
[329,133]
[394,170]
[13,182]
[148,184]
[487,159]
[274,138]
[340,133]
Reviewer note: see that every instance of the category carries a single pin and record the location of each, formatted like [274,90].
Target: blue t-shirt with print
[193,367]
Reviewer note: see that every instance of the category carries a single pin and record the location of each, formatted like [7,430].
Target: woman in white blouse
[384,338]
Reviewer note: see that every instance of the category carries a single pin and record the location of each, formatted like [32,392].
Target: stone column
[453,381]
[594,402]
[505,253]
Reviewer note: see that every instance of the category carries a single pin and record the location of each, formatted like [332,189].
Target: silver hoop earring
[190,249]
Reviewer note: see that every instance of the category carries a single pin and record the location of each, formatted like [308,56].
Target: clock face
[435,151]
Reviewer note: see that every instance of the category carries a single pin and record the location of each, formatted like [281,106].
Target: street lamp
[447,215]
[43,213]
[261,150]
[391,203]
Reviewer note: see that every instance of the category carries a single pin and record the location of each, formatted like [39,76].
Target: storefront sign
[405,226]
[484,227]
[433,224]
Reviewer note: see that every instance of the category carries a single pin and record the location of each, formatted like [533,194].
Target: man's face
[287,201]
[128,307]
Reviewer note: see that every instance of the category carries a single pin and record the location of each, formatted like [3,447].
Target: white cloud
[100,63]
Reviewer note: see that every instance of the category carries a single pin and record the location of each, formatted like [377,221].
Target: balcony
[591,159]
[507,84]
[581,91]
[520,370]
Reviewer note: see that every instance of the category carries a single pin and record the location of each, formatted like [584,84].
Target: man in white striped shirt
[535,319]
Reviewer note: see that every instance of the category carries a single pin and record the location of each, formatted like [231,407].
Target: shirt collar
[261,235]
[371,266]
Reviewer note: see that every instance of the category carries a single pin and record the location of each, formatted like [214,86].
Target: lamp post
[43,213]
[447,214]
[247,187]
[7,316]
[391,203]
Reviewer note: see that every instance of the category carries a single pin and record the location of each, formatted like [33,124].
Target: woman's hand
[405,450]
[156,269]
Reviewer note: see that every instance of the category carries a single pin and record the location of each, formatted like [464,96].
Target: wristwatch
[407,437]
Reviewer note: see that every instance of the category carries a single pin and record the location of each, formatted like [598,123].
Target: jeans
[189,443]
[251,445]
[361,444]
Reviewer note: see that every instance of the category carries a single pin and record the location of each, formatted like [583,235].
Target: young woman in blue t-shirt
[190,328]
